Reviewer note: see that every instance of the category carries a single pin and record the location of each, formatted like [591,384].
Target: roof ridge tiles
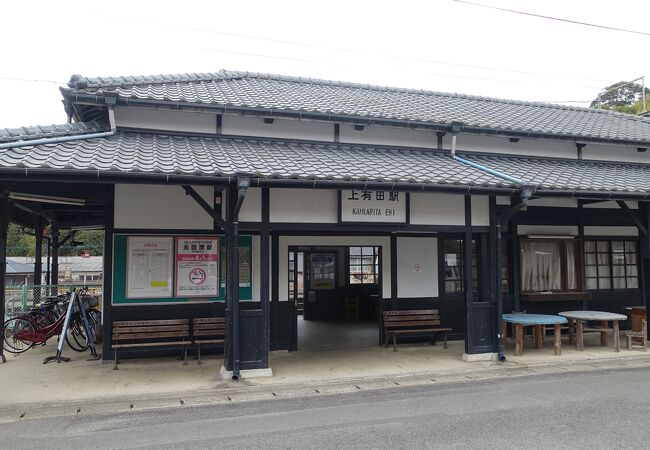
[28,133]
[81,82]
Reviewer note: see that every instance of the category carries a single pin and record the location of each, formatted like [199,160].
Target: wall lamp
[269,120]
[359,127]
[641,149]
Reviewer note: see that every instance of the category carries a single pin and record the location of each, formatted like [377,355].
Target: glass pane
[453,246]
[592,283]
[630,246]
[452,287]
[631,271]
[633,283]
[630,258]
[590,259]
[619,271]
[367,251]
[355,251]
[541,268]
[617,246]
[603,258]
[452,260]
[604,283]
[602,246]
[603,271]
[619,283]
[618,258]
[590,246]
[590,271]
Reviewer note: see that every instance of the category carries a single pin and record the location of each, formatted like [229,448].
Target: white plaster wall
[303,205]
[286,241]
[437,209]
[381,135]
[554,202]
[158,119]
[615,153]
[611,231]
[552,230]
[417,267]
[503,200]
[160,207]
[280,128]
[251,209]
[612,205]
[480,210]
[498,144]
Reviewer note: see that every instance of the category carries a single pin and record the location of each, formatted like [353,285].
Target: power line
[558,19]
[33,80]
[362,52]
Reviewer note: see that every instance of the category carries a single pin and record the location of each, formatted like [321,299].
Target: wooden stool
[643,334]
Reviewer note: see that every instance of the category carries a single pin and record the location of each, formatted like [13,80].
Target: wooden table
[577,320]
[538,321]
[638,314]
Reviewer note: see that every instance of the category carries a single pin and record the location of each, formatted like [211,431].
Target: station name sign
[372,206]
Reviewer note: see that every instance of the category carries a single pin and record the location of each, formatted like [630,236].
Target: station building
[287,204]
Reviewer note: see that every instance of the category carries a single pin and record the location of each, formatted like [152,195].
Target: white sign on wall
[149,262]
[197,266]
[375,206]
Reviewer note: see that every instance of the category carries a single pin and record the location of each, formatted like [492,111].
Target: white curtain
[572,279]
[540,266]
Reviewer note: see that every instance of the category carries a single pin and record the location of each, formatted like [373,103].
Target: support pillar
[107,305]
[467,276]
[4,224]
[54,252]
[393,272]
[264,276]
[38,256]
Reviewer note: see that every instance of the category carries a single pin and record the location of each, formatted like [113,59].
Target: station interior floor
[332,335]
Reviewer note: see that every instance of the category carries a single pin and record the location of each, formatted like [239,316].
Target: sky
[440,45]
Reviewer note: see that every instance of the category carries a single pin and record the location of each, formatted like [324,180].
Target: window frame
[375,274]
[610,258]
[579,265]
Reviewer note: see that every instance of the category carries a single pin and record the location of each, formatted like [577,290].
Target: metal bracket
[189,190]
[632,216]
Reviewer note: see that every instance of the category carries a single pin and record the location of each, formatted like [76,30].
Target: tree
[622,96]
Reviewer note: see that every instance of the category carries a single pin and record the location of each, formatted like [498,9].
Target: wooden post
[519,339]
[572,336]
[617,336]
[4,224]
[580,343]
[38,256]
[539,338]
[604,335]
[557,339]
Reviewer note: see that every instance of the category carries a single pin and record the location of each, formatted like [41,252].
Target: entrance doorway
[335,293]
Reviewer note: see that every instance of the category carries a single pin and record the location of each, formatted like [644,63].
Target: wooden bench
[421,321]
[635,335]
[150,333]
[208,330]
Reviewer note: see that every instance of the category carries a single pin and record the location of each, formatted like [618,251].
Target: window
[611,265]
[364,265]
[505,265]
[454,257]
[549,266]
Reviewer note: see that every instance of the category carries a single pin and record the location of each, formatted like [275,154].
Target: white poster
[149,262]
[369,205]
[197,266]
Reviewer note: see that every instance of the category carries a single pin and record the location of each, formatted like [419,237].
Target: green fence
[23,297]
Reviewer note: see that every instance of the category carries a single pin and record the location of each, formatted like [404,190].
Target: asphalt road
[607,409]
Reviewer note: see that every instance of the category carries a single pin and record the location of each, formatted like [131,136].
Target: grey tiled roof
[128,152]
[269,93]
[573,175]
[49,131]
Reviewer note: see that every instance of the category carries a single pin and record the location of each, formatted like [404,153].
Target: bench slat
[143,336]
[151,344]
[209,341]
[413,323]
[208,333]
[119,323]
[423,330]
[148,329]
[423,317]
[211,326]
[209,320]
[412,311]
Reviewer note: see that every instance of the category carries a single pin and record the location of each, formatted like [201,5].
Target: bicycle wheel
[18,335]
[76,336]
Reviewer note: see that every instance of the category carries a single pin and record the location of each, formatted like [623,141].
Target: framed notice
[373,206]
[197,266]
[149,267]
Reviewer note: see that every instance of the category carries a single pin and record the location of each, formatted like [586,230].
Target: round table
[521,320]
[577,321]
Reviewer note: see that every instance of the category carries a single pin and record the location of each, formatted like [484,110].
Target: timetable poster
[197,264]
[149,267]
